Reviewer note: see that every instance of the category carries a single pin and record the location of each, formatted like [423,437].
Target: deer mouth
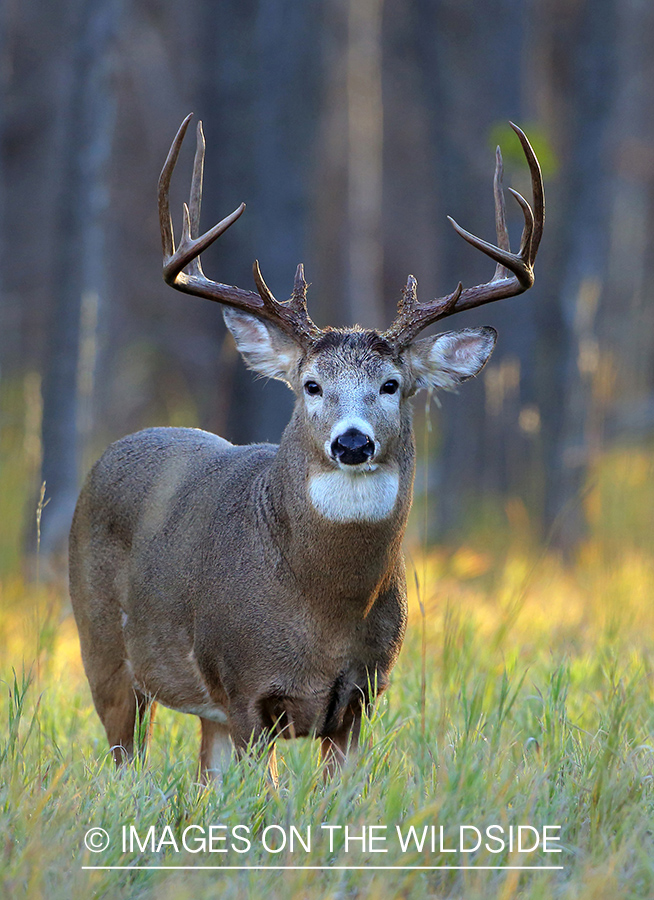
[358,469]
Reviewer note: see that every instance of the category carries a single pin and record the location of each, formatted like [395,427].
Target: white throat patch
[342,496]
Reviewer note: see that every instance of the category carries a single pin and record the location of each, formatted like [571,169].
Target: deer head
[351,384]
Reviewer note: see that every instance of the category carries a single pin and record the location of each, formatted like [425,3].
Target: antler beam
[514,271]
[182,268]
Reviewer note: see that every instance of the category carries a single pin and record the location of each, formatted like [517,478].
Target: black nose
[352,447]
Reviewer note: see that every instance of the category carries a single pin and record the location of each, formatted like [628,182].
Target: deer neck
[346,556]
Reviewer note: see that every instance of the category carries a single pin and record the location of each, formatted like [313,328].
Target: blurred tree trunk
[365,129]
[34,46]
[624,380]
[470,87]
[78,271]
[579,46]
[528,425]
[259,94]
[349,191]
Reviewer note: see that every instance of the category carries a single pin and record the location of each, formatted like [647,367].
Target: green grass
[538,710]
[524,695]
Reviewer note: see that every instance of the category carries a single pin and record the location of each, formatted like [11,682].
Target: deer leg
[251,735]
[95,592]
[334,747]
[122,708]
[117,702]
[264,745]
[110,680]
[215,749]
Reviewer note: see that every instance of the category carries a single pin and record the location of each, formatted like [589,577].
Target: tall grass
[523,696]
[540,716]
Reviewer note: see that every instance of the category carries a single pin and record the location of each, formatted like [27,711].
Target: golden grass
[524,693]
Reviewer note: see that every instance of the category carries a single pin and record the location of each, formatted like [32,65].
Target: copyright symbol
[96,840]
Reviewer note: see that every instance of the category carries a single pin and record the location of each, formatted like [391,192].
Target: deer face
[353,391]
[350,386]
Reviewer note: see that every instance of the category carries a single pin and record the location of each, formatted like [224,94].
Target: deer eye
[313,388]
[390,386]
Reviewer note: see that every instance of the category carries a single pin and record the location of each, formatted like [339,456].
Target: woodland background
[351,128]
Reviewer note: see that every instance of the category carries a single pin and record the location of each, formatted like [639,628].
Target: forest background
[351,128]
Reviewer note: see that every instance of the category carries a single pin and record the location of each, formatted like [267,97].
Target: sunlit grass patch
[524,695]
[537,709]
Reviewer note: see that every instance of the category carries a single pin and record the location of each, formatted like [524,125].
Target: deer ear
[264,347]
[447,360]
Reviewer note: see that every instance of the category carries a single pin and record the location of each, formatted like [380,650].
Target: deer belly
[176,681]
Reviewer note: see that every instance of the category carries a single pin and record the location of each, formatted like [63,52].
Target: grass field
[524,696]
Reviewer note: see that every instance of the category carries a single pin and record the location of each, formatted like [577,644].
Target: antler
[182,268]
[514,271]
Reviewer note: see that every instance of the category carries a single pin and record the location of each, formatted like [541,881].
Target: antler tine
[165,220]
[409,299]
[528,230]
[182,268]
[413,317]
[195,197]
[190,247]
[299,296]
[500,213]
[513,273]
[264,291]
[536,189]
[517,263]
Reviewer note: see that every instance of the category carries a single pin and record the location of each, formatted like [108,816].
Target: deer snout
[352,448]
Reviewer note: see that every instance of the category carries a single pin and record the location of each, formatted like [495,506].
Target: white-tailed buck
[262,588]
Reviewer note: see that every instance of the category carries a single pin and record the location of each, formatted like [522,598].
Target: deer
[262,588]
